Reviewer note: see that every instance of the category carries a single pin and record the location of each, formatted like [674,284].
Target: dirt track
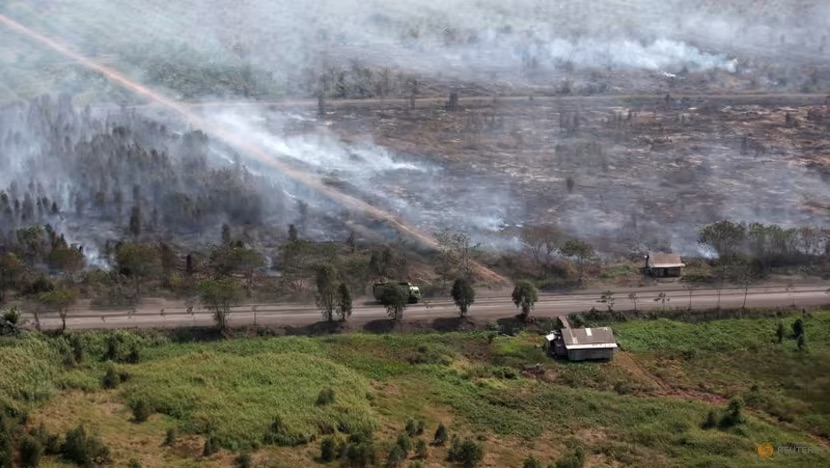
[174,314]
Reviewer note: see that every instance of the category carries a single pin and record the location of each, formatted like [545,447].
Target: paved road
[486,308]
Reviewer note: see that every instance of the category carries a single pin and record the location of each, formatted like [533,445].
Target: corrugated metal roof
[588,337]
[663,260]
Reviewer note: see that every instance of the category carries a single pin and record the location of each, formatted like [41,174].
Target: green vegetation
[679,393]
[524,297]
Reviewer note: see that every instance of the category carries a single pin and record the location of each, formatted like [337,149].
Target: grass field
[644,408]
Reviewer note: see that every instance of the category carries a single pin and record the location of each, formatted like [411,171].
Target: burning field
[627,124]
[625,174]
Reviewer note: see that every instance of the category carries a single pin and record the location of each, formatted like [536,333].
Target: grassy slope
[643,408]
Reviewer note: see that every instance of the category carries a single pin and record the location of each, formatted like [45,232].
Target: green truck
[414,292]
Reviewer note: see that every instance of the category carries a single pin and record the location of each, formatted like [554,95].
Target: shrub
[6,450]
[211,446]
[531,462]
[419,428]
[325,397]
[361,454]
[327,449]
[111,379]
[141,410]
[467,453]
[133,463]
[421,450]
[170,437]
[411,428]
[243,460]
[405,443]
[396,457]
[279,435]
[573,460]
[440,437]
[50,442]
[83,449]
[30,451]
[711,421]
[734,414]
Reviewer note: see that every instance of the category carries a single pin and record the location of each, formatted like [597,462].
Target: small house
[580,344]
[664,265]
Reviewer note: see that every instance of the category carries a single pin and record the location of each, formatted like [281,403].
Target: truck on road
[412,291]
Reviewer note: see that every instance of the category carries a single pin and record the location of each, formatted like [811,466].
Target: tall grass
[237,397]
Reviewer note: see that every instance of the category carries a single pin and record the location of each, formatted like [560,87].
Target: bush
[421,450]
[467,453]
[141,411]
[111,379]
[133,463]
[734,414]
[531,462]
[405,443]
[279,435]
[50,442]
[243,460]
[211,446]
[574,460]
[83,449]
[440,437]
[396,457]
[711,421]
[325,397]
[411,428]
[170,437]
[361,454]
[327,449]
[30,451]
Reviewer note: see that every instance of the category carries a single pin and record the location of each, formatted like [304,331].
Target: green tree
[801,342]
[463,294]
[219,295]
[11,268]
[542,243]
[395,299]
[69,260]
[725,237]
[780,332]
[327,290]
[60,299]
[581,251]
[344,302]
[139,262]
[237,258]
[525,295]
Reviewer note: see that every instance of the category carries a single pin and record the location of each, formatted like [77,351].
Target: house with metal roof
[580,344]
[664,265]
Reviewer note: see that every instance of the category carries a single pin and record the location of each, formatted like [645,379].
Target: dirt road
[174,314]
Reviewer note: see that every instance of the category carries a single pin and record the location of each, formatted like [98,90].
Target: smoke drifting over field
[266,49]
